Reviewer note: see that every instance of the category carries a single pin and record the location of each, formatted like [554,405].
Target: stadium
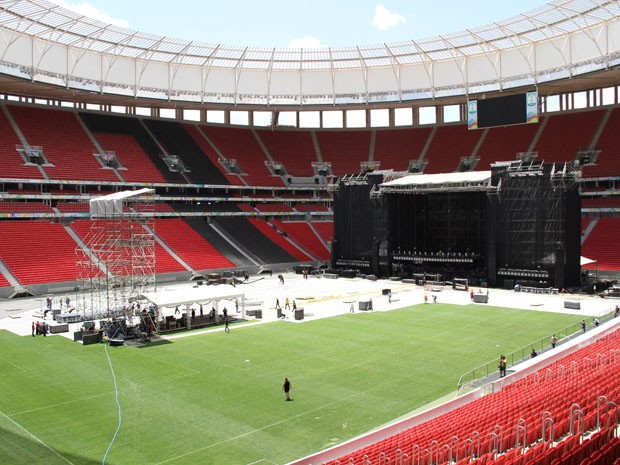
[185,225]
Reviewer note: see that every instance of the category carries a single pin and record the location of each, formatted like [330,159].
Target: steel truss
[118,262]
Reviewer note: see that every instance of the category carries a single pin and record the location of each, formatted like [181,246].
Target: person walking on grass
[286,387]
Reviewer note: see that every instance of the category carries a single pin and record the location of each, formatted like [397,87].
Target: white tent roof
[199,295]
[112,204]
[586,261]
[441,178]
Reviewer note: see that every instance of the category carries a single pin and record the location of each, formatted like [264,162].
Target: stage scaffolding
[118,261]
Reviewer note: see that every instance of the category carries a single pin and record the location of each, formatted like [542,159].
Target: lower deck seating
[325,229]
[575,381]
[3,281]
[37,251]
[300,232]
[278,239]
[599,247]
[190,246]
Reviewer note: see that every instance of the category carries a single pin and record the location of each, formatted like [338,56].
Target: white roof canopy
[441,178]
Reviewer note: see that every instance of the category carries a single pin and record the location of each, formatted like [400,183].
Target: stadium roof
[45,43]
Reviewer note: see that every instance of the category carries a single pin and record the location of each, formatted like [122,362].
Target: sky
[293,23]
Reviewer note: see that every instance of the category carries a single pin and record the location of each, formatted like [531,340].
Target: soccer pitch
[216,398]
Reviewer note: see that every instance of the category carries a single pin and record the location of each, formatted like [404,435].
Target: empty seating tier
[294,149]
[130,155]
[25,207]
[448,145]
[241,145]
[38,251]
[566,134]
[65,143]
[503,144]
[578,379]
[608,160]
[325,229]
[599,247]
[302,234]
[279,240]
[210,152]
[395,148]
[190,246]
[11,163]
[345,150]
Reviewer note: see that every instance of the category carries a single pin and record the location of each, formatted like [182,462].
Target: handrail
[521,427]
[576,415]
[548,425]
[523,353]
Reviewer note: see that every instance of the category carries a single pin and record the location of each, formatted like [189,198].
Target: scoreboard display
[503,111]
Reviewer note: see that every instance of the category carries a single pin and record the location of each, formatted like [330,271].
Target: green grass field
[216,398]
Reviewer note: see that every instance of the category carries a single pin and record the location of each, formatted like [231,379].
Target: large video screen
[503,111]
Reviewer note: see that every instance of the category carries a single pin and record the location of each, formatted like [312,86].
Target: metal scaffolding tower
[118,261]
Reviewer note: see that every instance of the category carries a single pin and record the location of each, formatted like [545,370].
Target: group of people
[40,328]
[287,305]
[62,301]
[554,341]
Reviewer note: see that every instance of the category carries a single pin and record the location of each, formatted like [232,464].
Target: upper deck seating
[11,163]
[241,145]
[395,148]
[294,149]
[130,154]
[448,145]
[566,134]
[64,143]
[345,150]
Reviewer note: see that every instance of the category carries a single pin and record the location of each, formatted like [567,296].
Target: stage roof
[194,295]
[112,204]
[445,179]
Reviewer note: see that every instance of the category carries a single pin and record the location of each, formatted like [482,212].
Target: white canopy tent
[111,205]
[586,261]
[183,298]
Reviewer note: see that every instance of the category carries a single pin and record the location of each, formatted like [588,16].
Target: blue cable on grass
[120,419]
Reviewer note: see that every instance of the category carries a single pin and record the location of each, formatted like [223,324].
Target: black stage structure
[519,223]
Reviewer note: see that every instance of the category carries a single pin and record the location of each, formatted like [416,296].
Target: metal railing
[479,373]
